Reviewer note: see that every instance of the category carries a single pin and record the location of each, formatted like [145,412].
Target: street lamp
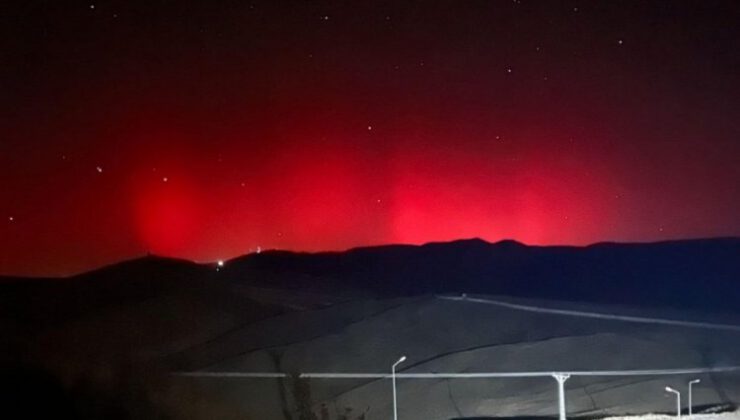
[678,400]
[393,379]
[695,381]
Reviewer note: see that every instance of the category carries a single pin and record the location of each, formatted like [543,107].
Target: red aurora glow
[205,130]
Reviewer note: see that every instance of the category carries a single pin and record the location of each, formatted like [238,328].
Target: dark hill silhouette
[701,274]
[34,305]
[48,300]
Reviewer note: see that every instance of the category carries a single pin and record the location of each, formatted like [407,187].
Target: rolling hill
[358,310]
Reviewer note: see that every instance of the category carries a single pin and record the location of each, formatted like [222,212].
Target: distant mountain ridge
[700,273]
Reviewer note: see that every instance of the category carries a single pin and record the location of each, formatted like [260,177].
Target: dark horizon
[133,258]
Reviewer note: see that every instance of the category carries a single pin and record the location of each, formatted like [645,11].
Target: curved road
[597,315]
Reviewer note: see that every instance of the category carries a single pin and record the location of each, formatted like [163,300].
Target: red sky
[220,129]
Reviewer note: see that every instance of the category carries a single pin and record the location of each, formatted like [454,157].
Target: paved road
[597,315]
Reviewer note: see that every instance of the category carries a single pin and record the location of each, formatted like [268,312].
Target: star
[620,42]
[508,70]
[325,17]
[99,169]
[369,128]
[165,179]
[11,218]
[92,7]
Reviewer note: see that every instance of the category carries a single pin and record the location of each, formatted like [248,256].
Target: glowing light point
[11,218]
[220,263]
[99,169]
[259,249]
[92,7]
[369,128]
[165,179]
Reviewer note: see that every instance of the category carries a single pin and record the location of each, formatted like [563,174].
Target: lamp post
[678,400]
[692,382]
[561,378]
[393,379]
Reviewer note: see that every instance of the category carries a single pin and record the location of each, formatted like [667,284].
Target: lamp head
[695,381]
[402,359]
[669,389]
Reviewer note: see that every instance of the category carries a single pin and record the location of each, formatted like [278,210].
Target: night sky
[205,130]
